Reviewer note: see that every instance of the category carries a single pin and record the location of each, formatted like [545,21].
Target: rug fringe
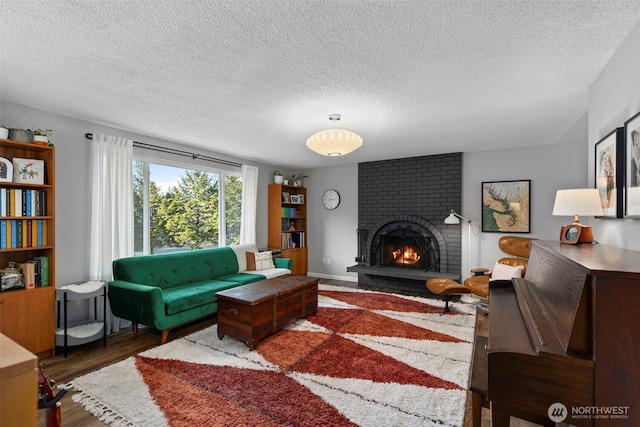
[104,413]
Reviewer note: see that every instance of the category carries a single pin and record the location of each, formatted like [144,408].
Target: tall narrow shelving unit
[27,316]
[288,224]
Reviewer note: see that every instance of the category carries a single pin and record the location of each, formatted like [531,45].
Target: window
[177,207]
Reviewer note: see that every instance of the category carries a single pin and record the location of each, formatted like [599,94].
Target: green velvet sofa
[168,290]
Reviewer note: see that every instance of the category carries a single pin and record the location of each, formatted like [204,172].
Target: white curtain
[111,208]
[249,204]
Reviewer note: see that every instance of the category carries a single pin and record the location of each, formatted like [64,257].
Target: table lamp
[575,202]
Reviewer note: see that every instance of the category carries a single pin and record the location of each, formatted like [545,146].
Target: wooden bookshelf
[288,224]
[27,316]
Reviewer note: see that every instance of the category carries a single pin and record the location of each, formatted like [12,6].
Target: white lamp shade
[334,142]
[452,219]
[579,201]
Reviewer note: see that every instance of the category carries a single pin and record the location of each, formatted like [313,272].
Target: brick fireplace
[402,238]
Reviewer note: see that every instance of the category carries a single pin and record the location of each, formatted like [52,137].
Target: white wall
[614,97]
[332,233]
[549,167]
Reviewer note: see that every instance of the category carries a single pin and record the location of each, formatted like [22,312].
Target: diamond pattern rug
[366,358]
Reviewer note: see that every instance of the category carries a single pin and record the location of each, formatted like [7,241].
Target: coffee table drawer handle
[234,311]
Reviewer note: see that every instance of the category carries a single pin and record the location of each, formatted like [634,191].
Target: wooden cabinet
[27,316]
[288,224]
[18,385]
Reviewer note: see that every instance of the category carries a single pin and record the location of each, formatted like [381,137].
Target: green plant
[277,173]
[41,132]
[300,176]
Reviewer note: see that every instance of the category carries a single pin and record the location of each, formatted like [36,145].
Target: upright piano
[567,337]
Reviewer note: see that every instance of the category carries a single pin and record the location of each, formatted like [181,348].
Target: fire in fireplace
[406,249]
[406,255]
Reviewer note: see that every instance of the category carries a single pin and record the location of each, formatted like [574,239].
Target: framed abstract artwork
[506,206]
[609,173]
[632,164]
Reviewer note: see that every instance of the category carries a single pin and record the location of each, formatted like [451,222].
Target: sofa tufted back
[177,268]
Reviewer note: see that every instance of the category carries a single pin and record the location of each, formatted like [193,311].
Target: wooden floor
[120,345]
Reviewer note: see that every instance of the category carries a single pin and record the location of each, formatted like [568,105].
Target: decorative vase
[40,138]
[277,179]
[286,182]
[20,135]
[4,133]
[298,183]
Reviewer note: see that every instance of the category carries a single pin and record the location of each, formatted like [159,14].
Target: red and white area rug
[366,358]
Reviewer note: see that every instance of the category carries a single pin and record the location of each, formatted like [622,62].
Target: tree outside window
[179,209]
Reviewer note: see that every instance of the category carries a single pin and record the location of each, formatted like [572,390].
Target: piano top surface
[597,258]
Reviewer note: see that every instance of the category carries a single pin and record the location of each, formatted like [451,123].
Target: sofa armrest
[139,303]
[283,263]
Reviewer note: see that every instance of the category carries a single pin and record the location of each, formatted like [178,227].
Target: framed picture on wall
[609,169]
[632,164]
[506,206]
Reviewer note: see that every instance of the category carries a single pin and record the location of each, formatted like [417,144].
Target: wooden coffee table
[252,312]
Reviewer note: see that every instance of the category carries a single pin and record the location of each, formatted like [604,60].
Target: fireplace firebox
[406,249]
[405,242]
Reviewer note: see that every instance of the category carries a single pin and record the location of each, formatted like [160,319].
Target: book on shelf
[17,202]
[28,274]
[23,233]
[12,230]
[294,239]
[41,271]
[40,232]
[19,233]
[3,234]
[289,212]
[29,202]
[28,233]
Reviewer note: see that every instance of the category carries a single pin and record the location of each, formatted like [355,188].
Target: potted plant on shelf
[4,132]
[41,136]
[298,179]
[277,177]
[288,179]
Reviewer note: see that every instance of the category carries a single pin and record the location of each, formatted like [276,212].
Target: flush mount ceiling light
[334,142]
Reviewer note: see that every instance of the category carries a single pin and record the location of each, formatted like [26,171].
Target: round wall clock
[331,199]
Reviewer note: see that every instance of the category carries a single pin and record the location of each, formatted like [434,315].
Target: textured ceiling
[256,78]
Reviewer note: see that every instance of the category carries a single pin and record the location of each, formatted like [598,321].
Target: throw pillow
[251,261]
[259,261]
[505,272]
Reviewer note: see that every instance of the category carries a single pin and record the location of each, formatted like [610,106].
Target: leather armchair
[518,247]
